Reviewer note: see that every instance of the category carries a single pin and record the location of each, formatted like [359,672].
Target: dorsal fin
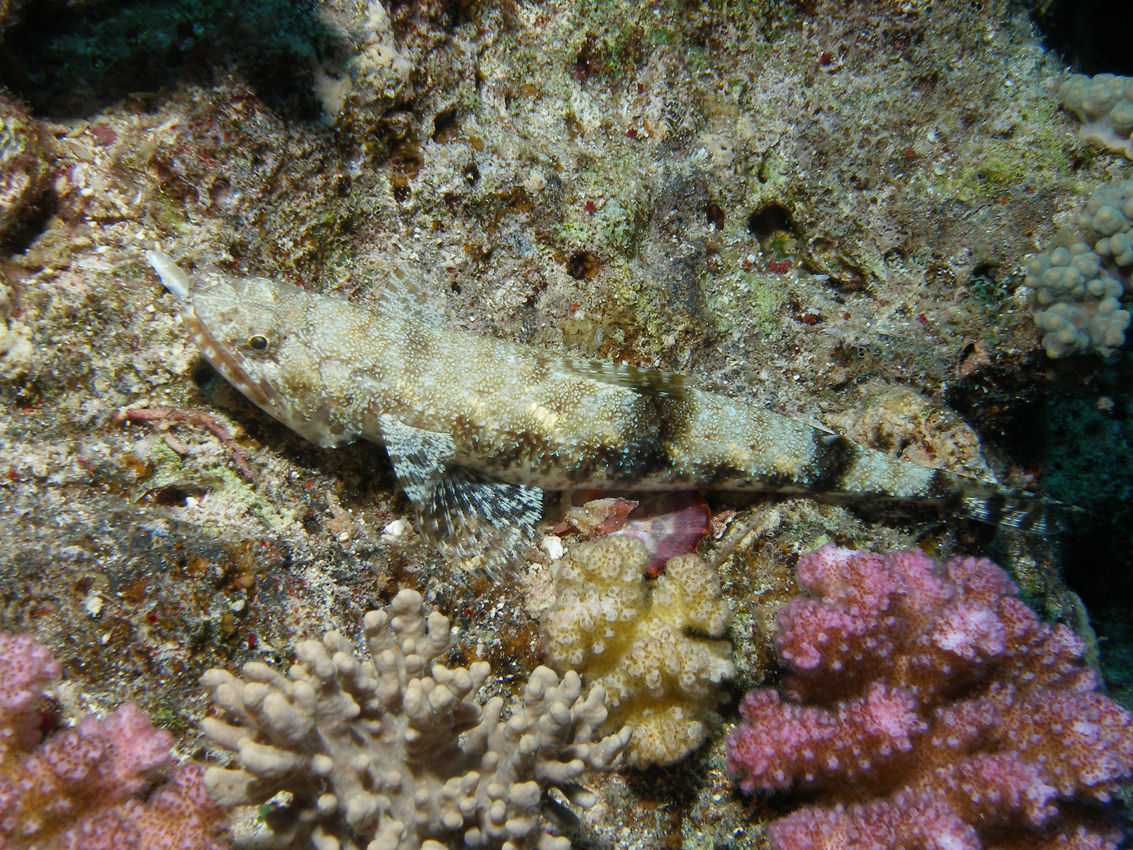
[647,381]
[405,295]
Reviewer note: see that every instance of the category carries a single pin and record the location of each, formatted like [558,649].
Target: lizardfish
[477,429]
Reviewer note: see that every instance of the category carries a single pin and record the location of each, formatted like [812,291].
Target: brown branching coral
[394,751]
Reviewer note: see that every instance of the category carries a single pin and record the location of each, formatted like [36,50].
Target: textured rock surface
[24,169]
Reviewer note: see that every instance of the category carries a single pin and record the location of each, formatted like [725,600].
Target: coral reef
[395,750]
[792,202]
[24,167]
[636,639]
[1078,285]
[930,708]
[1105,105]
[78,788]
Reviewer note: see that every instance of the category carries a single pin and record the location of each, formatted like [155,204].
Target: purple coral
[25,667]
[930,708]
[75,789]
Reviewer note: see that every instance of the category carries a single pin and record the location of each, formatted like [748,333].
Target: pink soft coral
[930,709]
[75,789]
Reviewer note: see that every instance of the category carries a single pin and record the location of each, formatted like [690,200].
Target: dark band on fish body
[654,424]
[662,422]
[833,456]
[1011,510]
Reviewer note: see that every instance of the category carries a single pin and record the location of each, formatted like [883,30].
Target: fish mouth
[215,352]
[229,366]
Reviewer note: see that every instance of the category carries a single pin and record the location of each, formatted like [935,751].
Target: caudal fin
[1015,509]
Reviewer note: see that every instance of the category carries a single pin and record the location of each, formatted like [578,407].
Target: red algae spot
[103,135]
[779,266]
[667,524]
[680,521]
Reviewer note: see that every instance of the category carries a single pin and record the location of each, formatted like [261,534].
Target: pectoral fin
[419,457]
[481,522]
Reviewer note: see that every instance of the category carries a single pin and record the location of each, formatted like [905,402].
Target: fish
[478,430]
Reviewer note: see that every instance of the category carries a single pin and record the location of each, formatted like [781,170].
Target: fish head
[249,330]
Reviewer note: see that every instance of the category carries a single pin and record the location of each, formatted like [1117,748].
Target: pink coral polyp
[930,708]
[75,790]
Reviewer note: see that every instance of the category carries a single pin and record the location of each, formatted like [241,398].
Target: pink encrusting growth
[25,667]
[77,789]
[668,524]
[929,708]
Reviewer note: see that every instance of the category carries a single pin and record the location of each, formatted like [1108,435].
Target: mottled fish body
[478,428]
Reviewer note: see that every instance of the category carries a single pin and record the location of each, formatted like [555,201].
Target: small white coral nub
[394,749]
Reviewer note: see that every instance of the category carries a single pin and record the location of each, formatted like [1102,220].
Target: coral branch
[394,749]
[930,708]
[77,788]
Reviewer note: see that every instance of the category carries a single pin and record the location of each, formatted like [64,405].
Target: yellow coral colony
[635,639]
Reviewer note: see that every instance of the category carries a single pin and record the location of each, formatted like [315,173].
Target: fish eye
[259,342]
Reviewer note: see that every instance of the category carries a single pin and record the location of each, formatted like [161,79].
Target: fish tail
[1003,507]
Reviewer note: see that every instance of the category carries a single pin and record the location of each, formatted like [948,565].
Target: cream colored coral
[636,639]
[389,750]
[1105,105]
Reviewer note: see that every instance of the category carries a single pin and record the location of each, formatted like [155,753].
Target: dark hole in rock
[582,265]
